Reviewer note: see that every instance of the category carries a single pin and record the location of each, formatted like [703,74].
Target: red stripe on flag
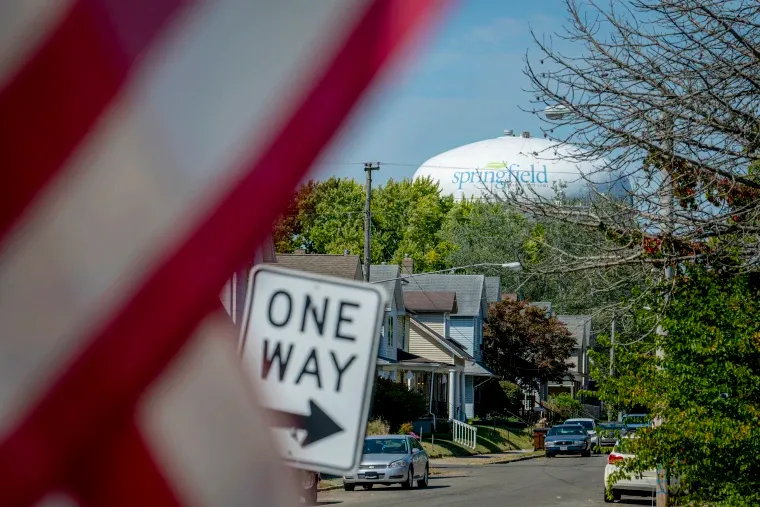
[54,100]
[130,352]
[119,472]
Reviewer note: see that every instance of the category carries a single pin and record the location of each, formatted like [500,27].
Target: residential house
[395,328]
[431,362]
[493,289]
[341,266]
[465,326]
[235,289]
[578,376]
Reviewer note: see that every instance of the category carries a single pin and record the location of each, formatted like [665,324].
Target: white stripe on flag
[208,97]
[204,430]
[24,24]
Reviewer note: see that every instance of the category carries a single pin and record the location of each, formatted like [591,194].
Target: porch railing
[464,434]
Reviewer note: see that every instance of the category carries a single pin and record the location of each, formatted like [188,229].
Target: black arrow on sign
[317,424]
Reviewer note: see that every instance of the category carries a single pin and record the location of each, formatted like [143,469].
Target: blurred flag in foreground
[146,147]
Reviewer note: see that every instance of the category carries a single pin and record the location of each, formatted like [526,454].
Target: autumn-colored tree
[523,344]
[288,230]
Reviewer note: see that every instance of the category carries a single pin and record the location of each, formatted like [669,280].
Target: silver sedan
[390,459]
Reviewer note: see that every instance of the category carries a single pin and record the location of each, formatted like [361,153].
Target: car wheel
[367,486]
[423,483]
[586,453]
[349,487]
[549,455]
[409,480]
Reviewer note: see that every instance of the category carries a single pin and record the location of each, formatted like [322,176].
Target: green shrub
[396,404]
[378,426]
[405,428]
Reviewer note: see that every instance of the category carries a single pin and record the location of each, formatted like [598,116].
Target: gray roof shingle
[470,289]
[493,289]
[579,327]
[392,286]
[342,266]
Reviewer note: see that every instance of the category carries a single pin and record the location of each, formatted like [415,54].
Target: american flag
[146,146]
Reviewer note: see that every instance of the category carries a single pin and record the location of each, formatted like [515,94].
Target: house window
[401,332]
[389,327]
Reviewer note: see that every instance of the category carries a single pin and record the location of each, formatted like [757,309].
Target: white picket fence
[465,434]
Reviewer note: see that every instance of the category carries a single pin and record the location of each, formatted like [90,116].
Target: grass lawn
[489,441]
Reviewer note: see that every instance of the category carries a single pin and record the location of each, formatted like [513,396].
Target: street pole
[612,348]
[368,168]
[666,201]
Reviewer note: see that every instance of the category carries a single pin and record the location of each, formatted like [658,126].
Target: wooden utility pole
[368,168]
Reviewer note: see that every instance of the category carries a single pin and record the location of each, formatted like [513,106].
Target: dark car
[634,422]
[610,432]
[567,439]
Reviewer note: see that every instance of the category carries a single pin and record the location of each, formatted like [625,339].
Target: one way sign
[310,343]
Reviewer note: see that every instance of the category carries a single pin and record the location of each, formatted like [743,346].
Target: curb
[521,458]
[498,461]
[332,487]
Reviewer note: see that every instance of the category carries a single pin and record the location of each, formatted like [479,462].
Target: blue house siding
[469,396]
[469,332]
[462,330]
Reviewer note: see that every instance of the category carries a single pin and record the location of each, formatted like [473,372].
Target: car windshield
[636,419]
[589,425]
[385,446]
[566,430]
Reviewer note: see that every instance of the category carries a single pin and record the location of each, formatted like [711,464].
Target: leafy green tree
[705,390]
[502,398]
[396,404]
[338,222]
[562,407]
[522,344]
[328,217]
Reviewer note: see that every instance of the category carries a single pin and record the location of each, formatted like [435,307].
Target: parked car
[590,426]
[567,439]
[644,485]
[632,422]
[610,432]
[391,459]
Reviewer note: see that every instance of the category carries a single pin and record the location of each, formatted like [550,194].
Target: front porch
[441,383]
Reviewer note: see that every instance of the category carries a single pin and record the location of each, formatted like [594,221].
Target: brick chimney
[407,265]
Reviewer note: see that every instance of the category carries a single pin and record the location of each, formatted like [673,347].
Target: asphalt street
[563,481]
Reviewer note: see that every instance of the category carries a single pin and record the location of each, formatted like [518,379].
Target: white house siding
[469,396]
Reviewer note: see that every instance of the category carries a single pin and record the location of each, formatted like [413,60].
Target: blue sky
[463,84]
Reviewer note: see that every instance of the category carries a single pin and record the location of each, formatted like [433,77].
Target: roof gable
[470,290]
[493,289]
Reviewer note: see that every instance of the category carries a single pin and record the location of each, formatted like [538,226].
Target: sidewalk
[438,465]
